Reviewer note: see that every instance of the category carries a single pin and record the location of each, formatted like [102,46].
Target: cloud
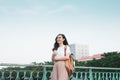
[36,10]
[19,11]
[62,9]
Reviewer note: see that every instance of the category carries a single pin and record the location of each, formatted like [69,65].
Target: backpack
[69,64]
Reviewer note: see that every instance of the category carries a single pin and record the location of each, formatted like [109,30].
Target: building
[79,51]
[86,58]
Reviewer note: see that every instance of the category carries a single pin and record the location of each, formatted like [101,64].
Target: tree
[110,59]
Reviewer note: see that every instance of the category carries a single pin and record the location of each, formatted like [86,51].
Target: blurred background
[28,27]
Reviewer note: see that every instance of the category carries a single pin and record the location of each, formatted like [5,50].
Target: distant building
[95,56]
[79,51]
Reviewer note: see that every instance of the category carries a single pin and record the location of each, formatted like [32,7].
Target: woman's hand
[62,58]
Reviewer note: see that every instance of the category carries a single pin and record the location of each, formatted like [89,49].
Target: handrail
[11,64]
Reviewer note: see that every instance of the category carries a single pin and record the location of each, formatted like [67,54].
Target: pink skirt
[59,71]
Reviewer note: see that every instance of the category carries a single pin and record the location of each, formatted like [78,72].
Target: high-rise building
[79,51]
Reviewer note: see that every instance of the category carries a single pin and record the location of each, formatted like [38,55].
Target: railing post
[110,76]
[81,75]
[76,75]
[37,75]
[17,77]
[10,75]
[85,76]
[24,75]
[103,77]
[50,74]
[31,76]
[44,73]
[95,76]
[117,76]
[90,74]
[99,76]
[113,78]
[106,76]
[3,77]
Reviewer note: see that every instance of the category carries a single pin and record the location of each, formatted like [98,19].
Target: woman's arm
[54,54]
[65,57]
[62,58]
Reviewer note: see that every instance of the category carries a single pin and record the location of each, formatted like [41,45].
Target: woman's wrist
[55,59]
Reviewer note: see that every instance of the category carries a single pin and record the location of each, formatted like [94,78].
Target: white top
[60,51]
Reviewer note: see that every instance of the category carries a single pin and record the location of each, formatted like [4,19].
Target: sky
[28,27]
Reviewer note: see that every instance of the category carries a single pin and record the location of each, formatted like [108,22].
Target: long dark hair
[56,45]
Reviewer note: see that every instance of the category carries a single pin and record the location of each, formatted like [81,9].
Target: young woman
[59,71]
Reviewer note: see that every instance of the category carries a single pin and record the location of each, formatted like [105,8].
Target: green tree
[110,59]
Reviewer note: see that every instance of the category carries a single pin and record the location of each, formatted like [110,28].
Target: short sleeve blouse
[60,51]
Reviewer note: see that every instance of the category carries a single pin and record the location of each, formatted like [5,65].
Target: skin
[60,40]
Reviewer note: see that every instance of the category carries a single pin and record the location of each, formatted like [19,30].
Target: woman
[59,56]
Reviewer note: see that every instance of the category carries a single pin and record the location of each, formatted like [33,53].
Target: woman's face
[60,39]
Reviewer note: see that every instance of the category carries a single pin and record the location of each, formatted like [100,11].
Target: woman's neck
[61,44]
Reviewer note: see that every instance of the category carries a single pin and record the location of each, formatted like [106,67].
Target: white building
[79,50]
